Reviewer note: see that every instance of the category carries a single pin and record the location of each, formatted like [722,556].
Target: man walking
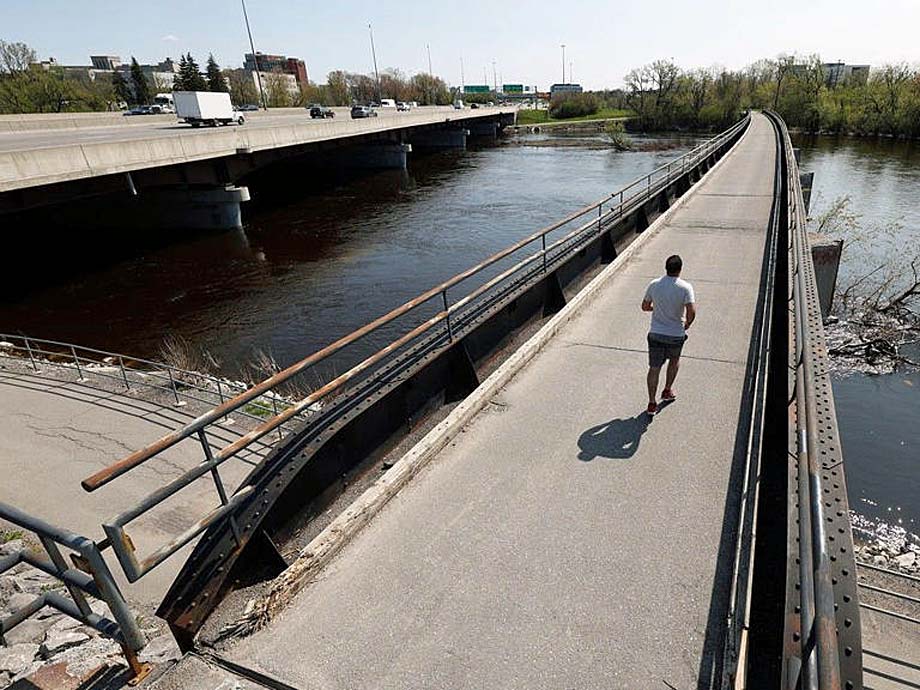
[668,298]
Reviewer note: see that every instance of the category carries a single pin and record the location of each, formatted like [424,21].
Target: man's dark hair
[673,265]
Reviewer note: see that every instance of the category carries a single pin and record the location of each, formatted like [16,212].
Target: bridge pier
[377,156]
[486,130]
[440,138]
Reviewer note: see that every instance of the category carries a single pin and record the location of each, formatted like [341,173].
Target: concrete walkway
[54,433]
[562,540]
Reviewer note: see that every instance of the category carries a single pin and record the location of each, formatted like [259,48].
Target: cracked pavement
[51,439]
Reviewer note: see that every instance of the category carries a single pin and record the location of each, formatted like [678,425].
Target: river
[301,274]
[878,415]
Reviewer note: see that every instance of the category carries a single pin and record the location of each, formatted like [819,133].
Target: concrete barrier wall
[33,122]
[42,166]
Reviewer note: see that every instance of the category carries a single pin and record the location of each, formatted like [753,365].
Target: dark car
[248,107]
[318,111]
[360,111]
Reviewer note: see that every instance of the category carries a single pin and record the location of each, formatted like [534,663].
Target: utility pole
[571,77]
[494,78]
[462,84]
[430,88]
[370,30]
[255,56]
[563,63]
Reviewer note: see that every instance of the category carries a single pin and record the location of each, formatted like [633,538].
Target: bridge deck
[562,540]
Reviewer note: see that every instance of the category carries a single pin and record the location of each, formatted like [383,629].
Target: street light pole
[370,30]
[563,63]
[494,78]
[255,56]
[462,84]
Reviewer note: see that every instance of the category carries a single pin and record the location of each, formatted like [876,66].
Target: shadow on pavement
[617,439]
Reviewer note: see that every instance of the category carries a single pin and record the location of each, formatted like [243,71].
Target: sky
[604,39]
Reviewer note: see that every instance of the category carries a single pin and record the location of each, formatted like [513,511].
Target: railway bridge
[522,522]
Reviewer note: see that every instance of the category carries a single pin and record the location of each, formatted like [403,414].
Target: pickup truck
[320,112]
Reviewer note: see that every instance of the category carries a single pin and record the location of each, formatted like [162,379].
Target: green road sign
[476,88]
[512,88]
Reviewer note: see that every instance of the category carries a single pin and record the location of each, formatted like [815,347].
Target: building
[160,76]
[840,74]
[273,80]
[561,89]
[105,62]
[265,62]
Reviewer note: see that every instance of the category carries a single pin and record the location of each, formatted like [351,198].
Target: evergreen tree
[122,90]
[139,83]
[191,76]
[216,81]
[179,79]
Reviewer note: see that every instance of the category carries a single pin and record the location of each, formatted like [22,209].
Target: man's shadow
[617,439]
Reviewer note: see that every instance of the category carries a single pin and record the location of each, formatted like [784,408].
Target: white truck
[205,108]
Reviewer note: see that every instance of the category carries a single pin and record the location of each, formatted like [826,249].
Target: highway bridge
[155,171]
[526,523]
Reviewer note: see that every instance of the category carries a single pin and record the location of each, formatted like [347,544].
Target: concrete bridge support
[440,139]
[194,209]
[484,130]
[377,156]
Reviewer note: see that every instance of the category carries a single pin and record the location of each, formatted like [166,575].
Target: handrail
[820,656]
[135,568]
[41,351]
[104,476]
[89,576]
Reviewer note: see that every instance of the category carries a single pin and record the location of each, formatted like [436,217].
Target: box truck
[205,108]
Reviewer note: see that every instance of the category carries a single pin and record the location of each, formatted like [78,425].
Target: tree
[122,91]
[277,93]
[216,81]
[242,88]
[337,88]
[139,83]
[189,78]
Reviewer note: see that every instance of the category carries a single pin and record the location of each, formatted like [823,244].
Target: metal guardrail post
[450,332]
[124,374]
[31,356]
[76,361]
[218,483]
[172,384]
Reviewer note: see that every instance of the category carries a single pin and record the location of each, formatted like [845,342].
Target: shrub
[573,105]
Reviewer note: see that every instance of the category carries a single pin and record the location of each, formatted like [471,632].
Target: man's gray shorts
[662,347]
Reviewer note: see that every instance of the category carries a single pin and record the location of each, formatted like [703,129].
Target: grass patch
[541,117]
[8,535]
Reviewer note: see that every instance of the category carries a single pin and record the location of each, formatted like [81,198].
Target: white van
[387,103]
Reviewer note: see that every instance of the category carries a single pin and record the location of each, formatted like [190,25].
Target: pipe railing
[444,324]
[134,374]
[820,657]
[89,575]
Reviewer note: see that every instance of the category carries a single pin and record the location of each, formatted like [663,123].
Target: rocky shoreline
[50,643]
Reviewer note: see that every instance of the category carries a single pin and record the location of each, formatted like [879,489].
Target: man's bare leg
[671,374]
[652,380]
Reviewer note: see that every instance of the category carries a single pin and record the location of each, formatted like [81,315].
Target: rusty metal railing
[87,575]
[583,223]
[818,649]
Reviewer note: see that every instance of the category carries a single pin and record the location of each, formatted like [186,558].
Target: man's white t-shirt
[669,294]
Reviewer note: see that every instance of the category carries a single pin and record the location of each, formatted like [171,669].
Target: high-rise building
[839,73]
[265,62]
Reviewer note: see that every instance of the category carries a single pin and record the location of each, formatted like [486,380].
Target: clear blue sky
[604,38]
